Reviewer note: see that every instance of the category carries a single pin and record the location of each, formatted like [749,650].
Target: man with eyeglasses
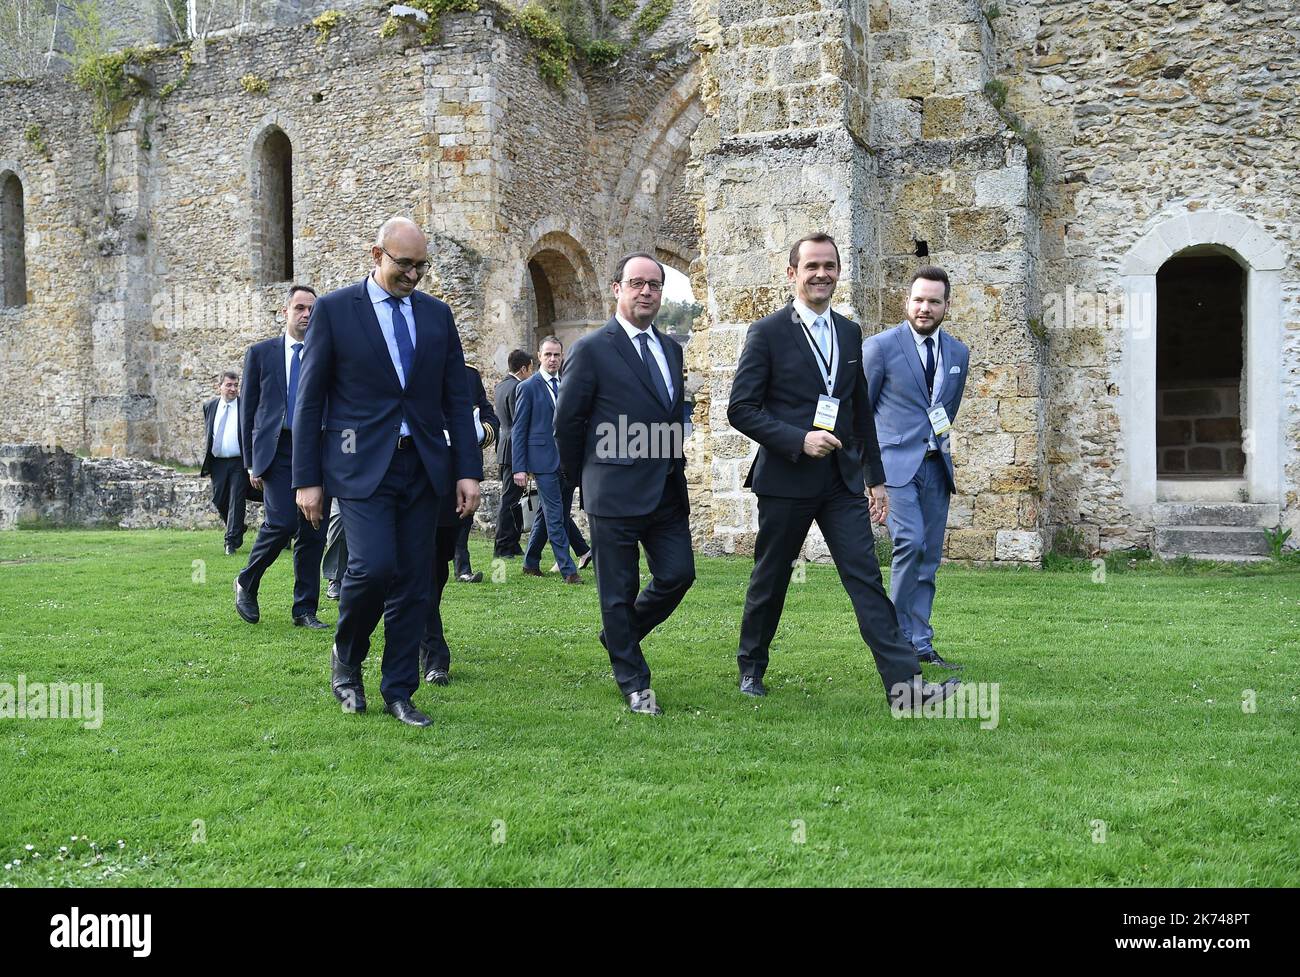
[384,389]
[619,431]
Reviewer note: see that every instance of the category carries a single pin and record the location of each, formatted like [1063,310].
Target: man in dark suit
[223,459]
[272,371]
[533,452]
[618,427]
[509,528]
[452,543]
[916,373]
[383,393]
[800,393]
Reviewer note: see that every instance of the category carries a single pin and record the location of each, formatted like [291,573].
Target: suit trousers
[577,542]
[390,562]
[284,523]
[556,500]
[626,615]
[229,495]
[434,651]
[335,561]
[509,526]
[918,515]
[845,521]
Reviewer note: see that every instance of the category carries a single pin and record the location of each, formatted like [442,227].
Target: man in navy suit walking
[383,390]
[272,373]
[916,374]
[533,452]
[619,430]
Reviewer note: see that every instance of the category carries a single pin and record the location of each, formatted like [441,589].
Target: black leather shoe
[310,621]
[752,685]
[471,577]
[533,572]
[246,604]
[403,710]
[932,658]
[911,697]
[644,703]
[346,684]
[585,560]
[438,676]
[230,550]
[333,590]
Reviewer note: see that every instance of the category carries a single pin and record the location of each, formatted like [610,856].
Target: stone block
[1016,478]
[895,121]
[977,229]
[994,511]
[914,79]
[1019,546]
[1002,188]
[1019,414]
[995,381]
[971,544]
[1211,430]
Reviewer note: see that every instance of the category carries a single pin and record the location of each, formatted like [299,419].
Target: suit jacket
[606,399]
[351,404]
[532,436]
[896,386]
[209,423]
[774,398]
[263,400]
[447,503]
[504,395]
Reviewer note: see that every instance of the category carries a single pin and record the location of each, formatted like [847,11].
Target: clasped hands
[311,500]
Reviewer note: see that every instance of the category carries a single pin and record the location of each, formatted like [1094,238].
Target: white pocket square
[955,369]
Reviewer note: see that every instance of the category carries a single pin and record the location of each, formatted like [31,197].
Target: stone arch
[560,285]
[276,169]
[13,237]
[650,203]
[1263,260]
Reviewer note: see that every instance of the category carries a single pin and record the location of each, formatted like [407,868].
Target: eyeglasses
[636,284]
[406,264]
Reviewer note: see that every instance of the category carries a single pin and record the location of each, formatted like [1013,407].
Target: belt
[405,441]
[933,454]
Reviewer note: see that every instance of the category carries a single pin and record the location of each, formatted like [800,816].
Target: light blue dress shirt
[384,313]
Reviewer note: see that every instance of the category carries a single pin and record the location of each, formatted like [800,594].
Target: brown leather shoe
[533,572]
[573,578]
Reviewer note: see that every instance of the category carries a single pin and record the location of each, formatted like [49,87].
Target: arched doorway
[563,295]
[1200,343]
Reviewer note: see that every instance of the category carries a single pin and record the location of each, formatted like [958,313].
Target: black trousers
[509,526]
[284,523]
[434,651]
[629,616]
[845,521]
[229,495]
[390,559]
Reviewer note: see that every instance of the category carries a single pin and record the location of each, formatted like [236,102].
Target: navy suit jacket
[606,401]
[262,403]
[351,404]
[774,399]
[896,386]
[532,435]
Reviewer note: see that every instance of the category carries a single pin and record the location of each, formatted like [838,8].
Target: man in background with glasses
[618,426]
[383,390]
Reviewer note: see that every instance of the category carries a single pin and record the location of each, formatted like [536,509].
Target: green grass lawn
[223,760]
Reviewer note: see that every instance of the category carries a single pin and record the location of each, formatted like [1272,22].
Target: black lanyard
[818,350]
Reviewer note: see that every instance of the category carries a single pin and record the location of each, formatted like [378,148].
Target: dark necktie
[555,387]
[295,367]
[652,368]
[402,335]
[219,438]
[929,366]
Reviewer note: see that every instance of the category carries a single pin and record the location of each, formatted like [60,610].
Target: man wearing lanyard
[916,374]
[798,394]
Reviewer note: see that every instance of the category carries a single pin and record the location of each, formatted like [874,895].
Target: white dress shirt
[809,317]
[938,369]
[288,364]
[661,359]
[384,313]
[229,445]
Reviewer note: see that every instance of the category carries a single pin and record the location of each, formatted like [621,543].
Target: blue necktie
[820,327]
[652,368]
[295,368]
[929,366]
[555,387]
[402,336]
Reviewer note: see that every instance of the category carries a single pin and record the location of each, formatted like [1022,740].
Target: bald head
[401,255]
